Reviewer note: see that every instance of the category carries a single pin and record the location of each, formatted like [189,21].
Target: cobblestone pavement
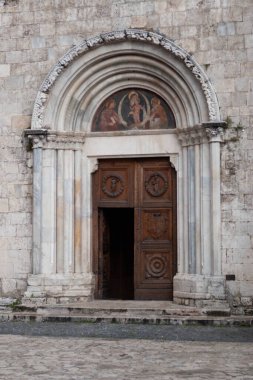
[179,353]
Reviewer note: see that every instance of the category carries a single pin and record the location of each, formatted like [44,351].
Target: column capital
[214,130]
[45,139]
[200,133]
[191,136]
[36,137]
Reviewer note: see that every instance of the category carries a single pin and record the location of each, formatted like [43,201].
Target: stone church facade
[117,114]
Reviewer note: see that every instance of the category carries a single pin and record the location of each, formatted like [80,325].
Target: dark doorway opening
[118,252]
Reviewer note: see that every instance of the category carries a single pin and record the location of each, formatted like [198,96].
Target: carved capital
[37,137]
[42,138]
[214,130]
[191,136]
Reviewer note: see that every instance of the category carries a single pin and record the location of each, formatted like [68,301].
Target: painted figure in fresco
[109,119]
[158,117]
[136,109]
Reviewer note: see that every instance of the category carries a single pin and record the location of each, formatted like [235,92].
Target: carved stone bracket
[42,138]
[174,161]
[93,165]
[117,36]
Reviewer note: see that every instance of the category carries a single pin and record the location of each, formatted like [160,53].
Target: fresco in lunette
[133,109]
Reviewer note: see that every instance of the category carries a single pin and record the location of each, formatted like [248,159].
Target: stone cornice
[121,36]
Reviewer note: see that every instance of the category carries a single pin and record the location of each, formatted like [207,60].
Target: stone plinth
[59,288]
[199,290]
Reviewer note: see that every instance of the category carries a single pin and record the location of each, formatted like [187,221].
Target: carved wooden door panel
[103,272]
[115,183]
[147,186]
[155,263]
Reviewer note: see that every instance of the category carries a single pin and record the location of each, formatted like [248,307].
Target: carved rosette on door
[148,188]
[156,266]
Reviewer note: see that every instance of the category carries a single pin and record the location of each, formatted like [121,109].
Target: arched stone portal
[66,153]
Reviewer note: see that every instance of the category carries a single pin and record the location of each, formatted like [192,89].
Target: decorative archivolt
[121,36]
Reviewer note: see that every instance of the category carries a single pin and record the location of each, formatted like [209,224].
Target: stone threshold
[110,307]
[124,312]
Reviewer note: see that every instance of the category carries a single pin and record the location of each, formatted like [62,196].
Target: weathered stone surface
[4,70]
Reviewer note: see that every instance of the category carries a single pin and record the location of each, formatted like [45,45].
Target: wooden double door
[134,229]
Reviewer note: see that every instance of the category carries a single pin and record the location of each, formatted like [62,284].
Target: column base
[59,288]
[199,290]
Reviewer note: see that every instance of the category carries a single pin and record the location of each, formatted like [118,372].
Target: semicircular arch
[99,67]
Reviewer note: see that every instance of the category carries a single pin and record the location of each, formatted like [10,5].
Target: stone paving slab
[25,357]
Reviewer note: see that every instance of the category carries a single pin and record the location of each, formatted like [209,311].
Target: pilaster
[201,280]
[58,274]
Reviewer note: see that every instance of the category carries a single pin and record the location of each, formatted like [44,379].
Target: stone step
[123,309]
[131,319]
[112,312]
[5,303]
[140,312]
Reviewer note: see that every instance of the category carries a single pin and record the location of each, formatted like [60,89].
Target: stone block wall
[34,34]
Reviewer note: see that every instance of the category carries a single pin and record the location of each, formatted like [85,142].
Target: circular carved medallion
[112,185]
[156,185]
[156,266]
